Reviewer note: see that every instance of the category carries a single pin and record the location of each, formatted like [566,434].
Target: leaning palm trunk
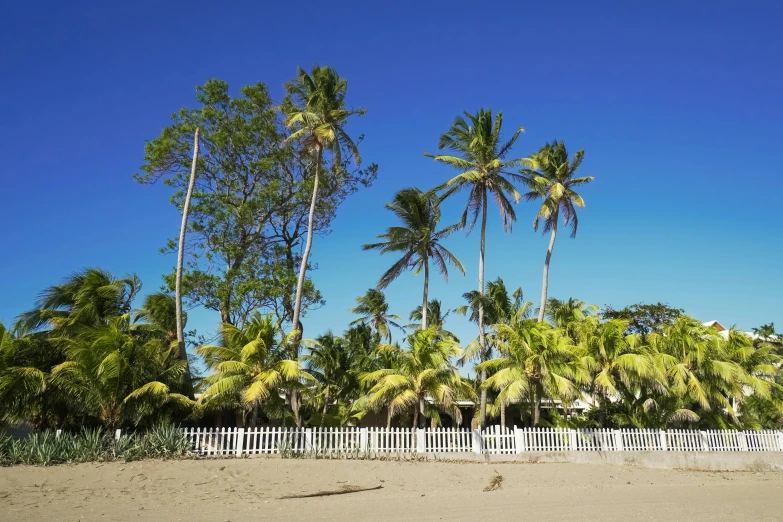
[482,337]
[424,299]
[308,246]
[181,257]
[545,284]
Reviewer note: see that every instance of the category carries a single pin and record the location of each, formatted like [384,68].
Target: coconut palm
[120,372]
[90,297]
[335,363]
[250,370]
[435,315]
[374,310]
[484,172]
[417,239]
[315,110]
[423,379]
[21,381]
[535,362]
[554,183]
[569,315]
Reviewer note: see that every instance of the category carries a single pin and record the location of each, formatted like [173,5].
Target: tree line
[256,181]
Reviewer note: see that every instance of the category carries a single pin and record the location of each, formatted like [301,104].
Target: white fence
[492,440]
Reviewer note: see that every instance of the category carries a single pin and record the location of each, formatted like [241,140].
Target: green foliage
[93,445]
[374,310]
[645,318]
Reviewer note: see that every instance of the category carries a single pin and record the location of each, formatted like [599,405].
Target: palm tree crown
[374,310]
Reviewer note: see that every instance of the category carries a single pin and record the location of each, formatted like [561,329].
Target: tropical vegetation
[256,180]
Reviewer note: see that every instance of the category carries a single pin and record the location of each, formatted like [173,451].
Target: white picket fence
[492,440]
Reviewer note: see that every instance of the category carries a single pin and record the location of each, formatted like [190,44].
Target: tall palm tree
[423,371]
[435,315]
[554,183]
[250,369]
[536,361]
[316,111]
[418,240]
[183,354]
[484,171]
[374,310]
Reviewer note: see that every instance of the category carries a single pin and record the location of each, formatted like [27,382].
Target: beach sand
[250,489]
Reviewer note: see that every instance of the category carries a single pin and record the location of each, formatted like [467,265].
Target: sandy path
[248,489]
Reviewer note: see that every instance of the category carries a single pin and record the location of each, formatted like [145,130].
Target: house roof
[716,325]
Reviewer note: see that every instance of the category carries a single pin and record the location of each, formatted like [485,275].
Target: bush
[93,445]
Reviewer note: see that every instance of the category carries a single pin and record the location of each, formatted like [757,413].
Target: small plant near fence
[93,445]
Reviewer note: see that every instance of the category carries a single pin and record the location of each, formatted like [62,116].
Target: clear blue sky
[679,109]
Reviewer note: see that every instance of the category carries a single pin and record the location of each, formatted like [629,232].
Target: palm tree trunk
[503,414]
[295,408]
[482,337]
[415,417]
[388,417]
[545,285]
[536,408]
[308,246]
[424,299]
[183,354]
[326,407]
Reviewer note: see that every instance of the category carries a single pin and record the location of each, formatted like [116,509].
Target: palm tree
[536,361]
[484,171]
[417,240]
[554,183]
[422,372]
[569,315]
[250,370]
[183,354]
[315,109]
[120,372]
[435,315]
[335,363]
[20,381]
[374,310]
[89,297]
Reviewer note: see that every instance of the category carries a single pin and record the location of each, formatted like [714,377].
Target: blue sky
[677,106]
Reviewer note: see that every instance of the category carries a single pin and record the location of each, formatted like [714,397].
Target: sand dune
[250,489]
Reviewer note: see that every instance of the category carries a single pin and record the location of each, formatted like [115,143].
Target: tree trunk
[545,285]
[295,408]
[254,418]
[415,417]
[424,298]
[240,417]
[388,417]
[536,409]
[482,337]
[182,352]
[503,414]
[421,410]
[308,246]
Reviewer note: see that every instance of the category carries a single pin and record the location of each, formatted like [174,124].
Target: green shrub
[93,445]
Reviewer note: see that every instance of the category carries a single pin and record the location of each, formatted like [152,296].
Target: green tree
[418,240]
[250,370]
[120,373]
[422,371]
[484,171]
[435,315]
[374,310]
[554,182]
[315,108]
[569,315]
[645,318]
[536,361]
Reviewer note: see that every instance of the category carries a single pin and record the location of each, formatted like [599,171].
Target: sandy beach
[250,489]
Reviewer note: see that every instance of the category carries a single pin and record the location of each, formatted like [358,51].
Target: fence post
[59,432]
[117,434]
[239,444]
[618,440]
[705,445]
[477,442]
[421,440]
[743,440]
[662,435]
[364,440]
[308,442]
[780,440]
[519,441]
[572,440]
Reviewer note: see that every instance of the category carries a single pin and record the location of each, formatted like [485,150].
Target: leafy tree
[22,381]
[315,108]
[569,315]
[554,182]
[645,318]
[374,310]
[484,171]
[422,371]
[249,371]
[418,240]
[435,315]
[536,362]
